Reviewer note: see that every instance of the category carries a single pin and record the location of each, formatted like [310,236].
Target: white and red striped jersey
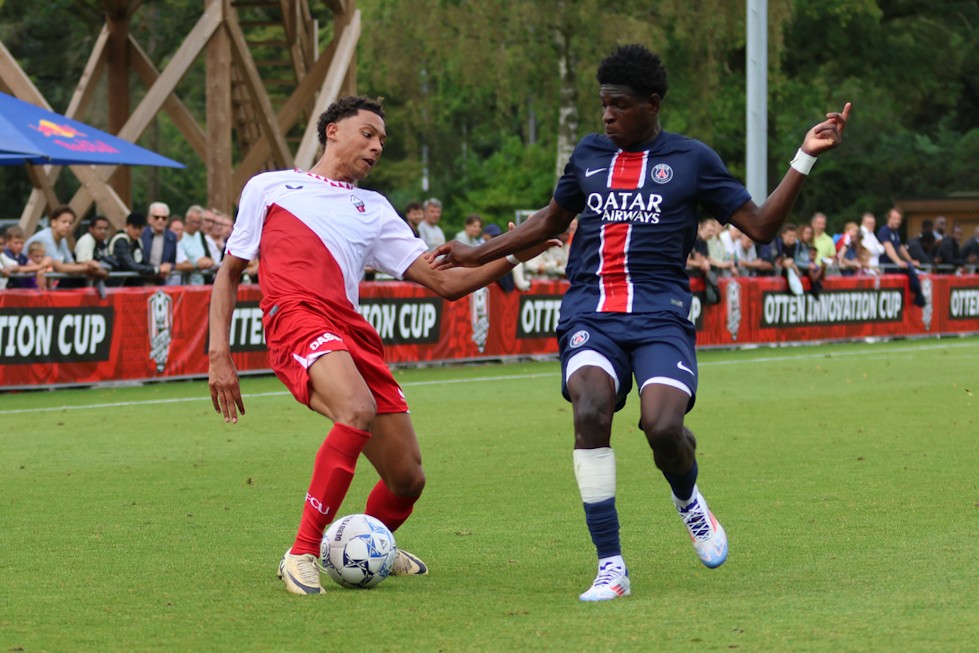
[315,236]
[638,212]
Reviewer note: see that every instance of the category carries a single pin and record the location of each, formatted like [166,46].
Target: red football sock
[332,472]
[390,509]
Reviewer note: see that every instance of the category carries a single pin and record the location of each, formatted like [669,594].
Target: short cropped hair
[161,206]
[413,206]
[431,201]
[344,108]
[59,211]
[136,219]
[14,231]
[636,67]
[473,218]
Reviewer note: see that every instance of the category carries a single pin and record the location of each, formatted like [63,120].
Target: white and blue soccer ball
[358,551]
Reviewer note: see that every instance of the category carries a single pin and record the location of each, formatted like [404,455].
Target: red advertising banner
[74,337]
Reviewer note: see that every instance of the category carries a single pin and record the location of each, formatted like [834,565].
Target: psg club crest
[662,173]
[357,202]
[578,339]
[159,314]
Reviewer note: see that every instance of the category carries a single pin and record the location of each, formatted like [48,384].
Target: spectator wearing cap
[491,231]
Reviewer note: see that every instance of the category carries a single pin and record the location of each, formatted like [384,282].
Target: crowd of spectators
[155,248]
[162,248]
[809,251]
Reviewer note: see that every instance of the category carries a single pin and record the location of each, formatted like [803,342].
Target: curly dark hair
[636,67]
[344,108]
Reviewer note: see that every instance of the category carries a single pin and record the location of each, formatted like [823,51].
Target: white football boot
[300,573]
[611,583]
[706,533]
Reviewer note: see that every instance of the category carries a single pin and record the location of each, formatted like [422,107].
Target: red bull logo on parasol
[50,129]
[78,142]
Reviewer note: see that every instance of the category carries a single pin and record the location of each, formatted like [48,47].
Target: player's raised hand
[222,379]
[827,134]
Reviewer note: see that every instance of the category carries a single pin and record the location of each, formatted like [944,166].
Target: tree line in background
[485,99]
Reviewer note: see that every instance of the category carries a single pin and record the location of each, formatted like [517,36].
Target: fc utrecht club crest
[662,173]
[359,203]
[159,325]
[479,305]
[733,308]
[927,309]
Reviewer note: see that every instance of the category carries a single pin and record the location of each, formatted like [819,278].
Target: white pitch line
[510,377]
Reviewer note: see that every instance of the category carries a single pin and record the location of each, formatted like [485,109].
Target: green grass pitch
[134,519]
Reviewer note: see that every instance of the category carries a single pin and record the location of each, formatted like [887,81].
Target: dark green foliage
[473,90]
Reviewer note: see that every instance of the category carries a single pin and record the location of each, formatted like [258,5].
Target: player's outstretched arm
[222,376]
[535,231]
[762,223]
[455,283]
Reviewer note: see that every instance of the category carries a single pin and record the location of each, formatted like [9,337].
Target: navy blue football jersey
[638,212]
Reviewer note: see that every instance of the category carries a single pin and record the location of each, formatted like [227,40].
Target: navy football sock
[603,524]
[683,485]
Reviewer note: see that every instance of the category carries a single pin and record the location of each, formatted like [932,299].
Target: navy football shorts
[653,347]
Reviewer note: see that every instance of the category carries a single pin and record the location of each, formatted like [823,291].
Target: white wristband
[803,162]
[512,260]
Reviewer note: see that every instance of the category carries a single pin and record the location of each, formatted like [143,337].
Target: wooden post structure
[218,65]
[257,91]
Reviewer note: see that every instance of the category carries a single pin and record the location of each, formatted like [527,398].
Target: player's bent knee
[358,412]
[592,418]
[410,483]
[663,433]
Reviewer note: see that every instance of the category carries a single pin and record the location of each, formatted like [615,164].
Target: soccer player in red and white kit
[316,232]
[638,191]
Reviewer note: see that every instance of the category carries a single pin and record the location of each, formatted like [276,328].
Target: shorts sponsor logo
[578,339]
[662,173]
[404,321]
[324,339]
[963,304]
[539,316]
[55,335]
[683,367]
[159,316]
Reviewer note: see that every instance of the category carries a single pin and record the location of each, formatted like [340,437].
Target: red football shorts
[298,335]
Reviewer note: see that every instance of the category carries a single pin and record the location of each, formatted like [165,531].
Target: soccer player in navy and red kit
[316,232]
[638,191]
